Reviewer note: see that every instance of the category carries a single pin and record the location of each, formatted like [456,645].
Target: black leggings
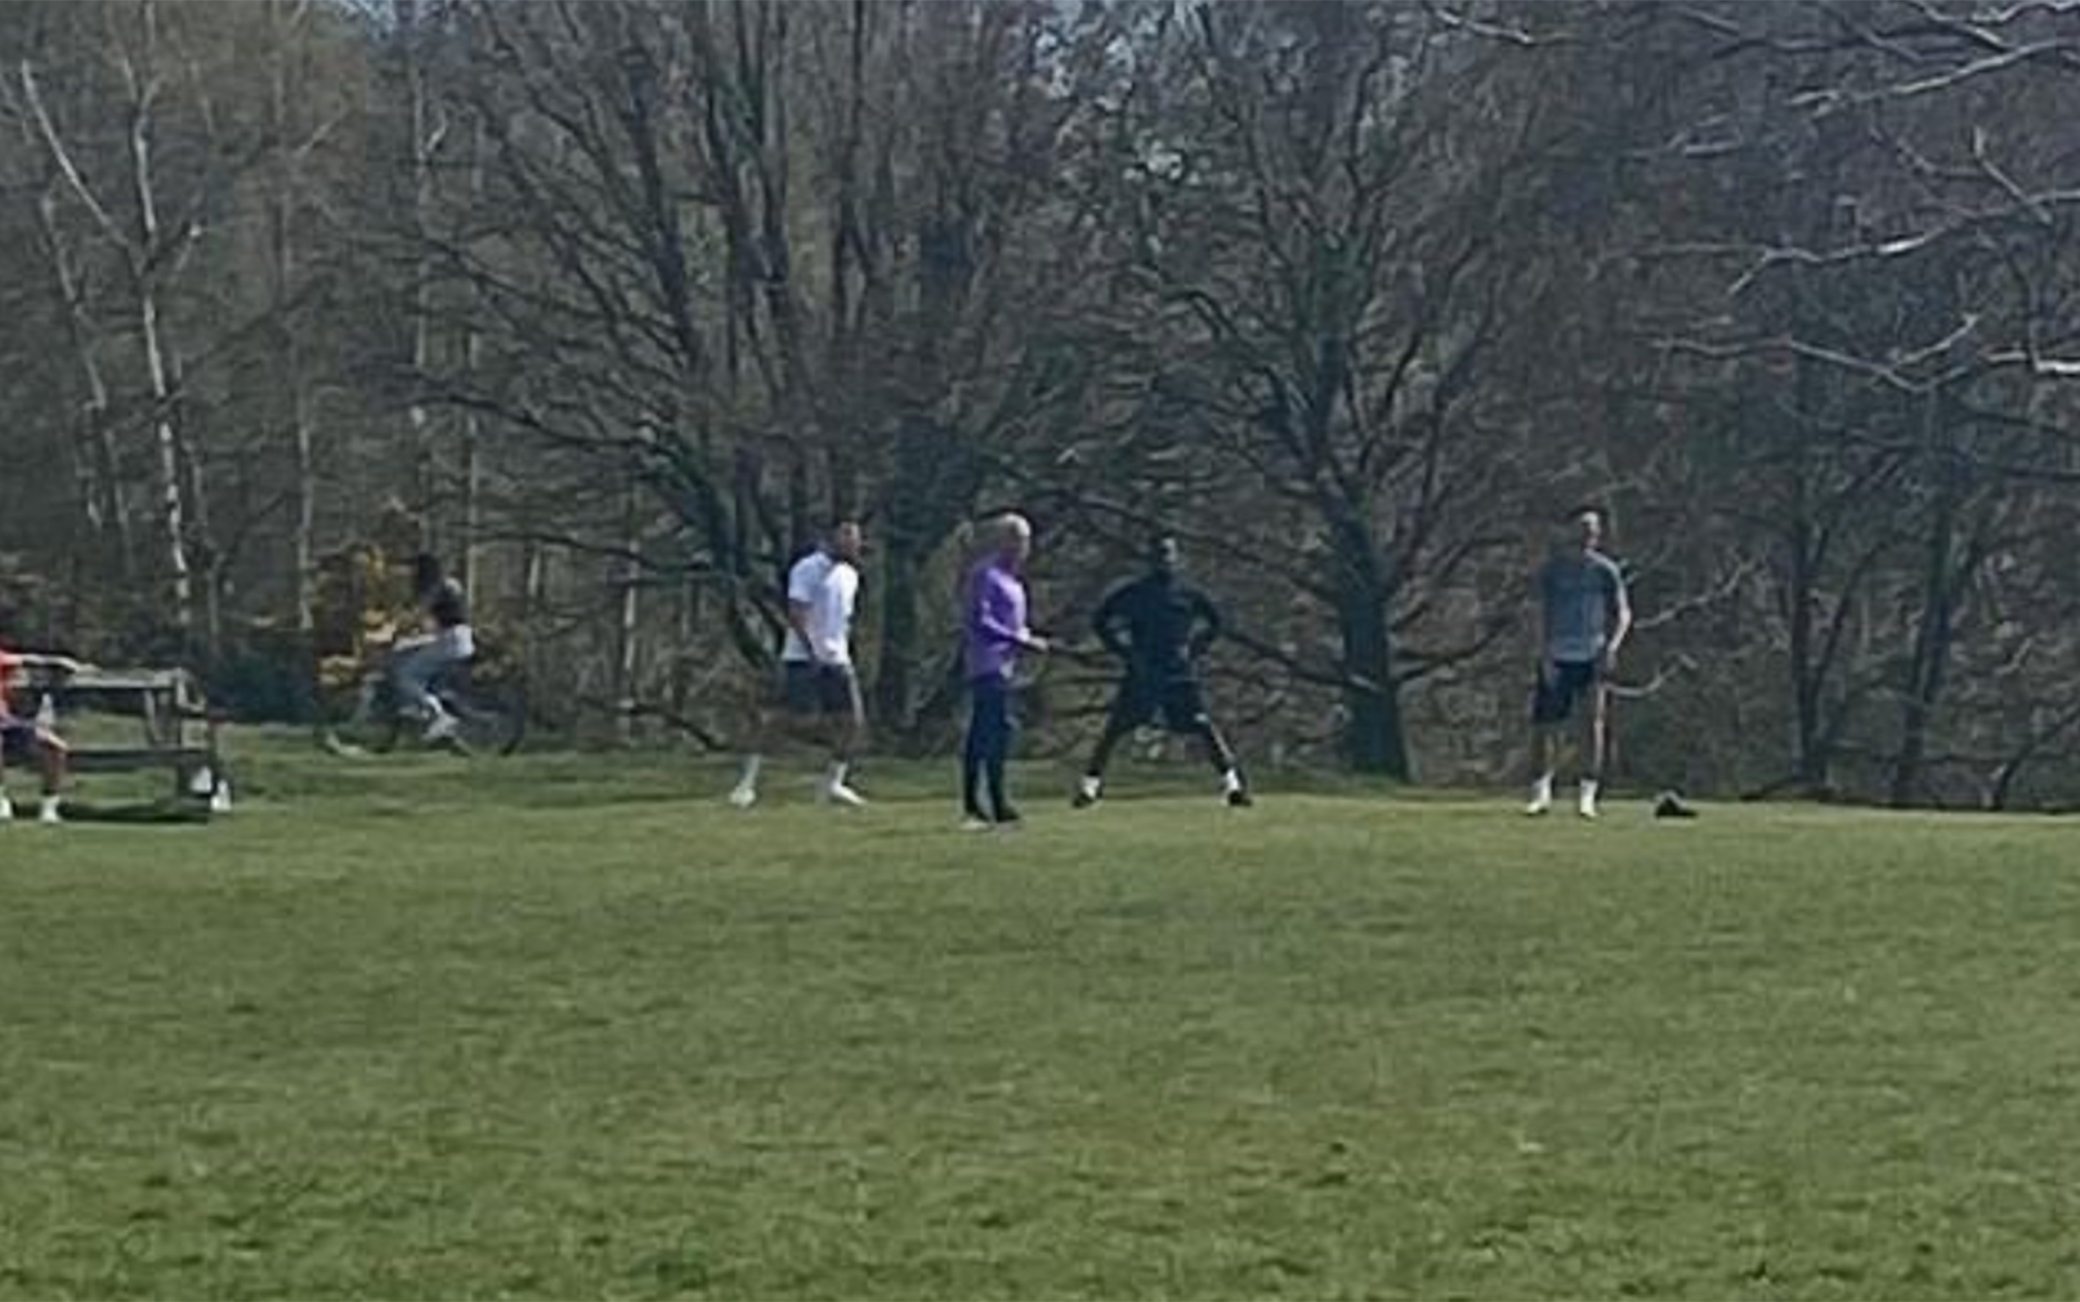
[988,749]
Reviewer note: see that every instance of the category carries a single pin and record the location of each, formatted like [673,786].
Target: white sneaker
[743,797]
[973,824]
[1586,806]
[837,793]
[1541,799]
[443,728]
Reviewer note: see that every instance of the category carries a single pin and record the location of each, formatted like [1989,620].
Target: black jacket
[1158,625]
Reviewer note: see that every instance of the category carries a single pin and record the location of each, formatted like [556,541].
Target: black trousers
[988,750]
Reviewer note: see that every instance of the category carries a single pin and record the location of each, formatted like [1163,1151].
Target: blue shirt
[1582,593]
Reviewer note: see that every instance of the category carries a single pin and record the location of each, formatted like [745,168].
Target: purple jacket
[995,621]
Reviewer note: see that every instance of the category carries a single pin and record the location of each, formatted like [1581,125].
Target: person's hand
[1607,663]
[1037,645]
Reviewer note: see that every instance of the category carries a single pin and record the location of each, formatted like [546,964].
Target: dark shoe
[1240,798]
[1670,805]
[1082,800]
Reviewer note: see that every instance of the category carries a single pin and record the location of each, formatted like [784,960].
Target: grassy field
[415,1029]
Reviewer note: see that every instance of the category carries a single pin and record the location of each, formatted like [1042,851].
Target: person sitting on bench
[24,741]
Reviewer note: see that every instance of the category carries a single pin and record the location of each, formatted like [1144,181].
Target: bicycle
[484,695]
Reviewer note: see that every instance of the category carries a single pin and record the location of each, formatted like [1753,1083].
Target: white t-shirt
[829,587]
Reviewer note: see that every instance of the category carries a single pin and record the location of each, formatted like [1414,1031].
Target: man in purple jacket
[996,632]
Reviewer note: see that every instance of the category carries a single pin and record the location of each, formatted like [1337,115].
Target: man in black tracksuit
[1159,626]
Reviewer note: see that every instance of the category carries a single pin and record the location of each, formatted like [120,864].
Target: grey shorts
[811,690]
[1573,680]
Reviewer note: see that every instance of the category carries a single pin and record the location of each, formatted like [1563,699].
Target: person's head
[1164,555]
[847,541]
[1585,529]
[1011,539]
[426,572]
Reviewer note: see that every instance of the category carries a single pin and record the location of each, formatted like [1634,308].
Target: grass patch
[565,1026]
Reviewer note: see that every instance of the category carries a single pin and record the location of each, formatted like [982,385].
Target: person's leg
[1593,706]
[745,794]
[1234,789]
[51,758]
[845,713]
[975,749]
[1185,712]
[446,656]
[1548,711]
[8,751]
[1122,717]
[412,665]
[770,716]
[997,759]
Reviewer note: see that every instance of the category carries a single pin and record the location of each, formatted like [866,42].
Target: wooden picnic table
[178,730]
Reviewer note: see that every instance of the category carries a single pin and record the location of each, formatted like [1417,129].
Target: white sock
[749,781]
[1542,787]
[1589,786]
[6,809]
[839,770]
[49,807]
[1091,786]
[1231,782]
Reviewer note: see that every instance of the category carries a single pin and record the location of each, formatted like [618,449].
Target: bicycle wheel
[492,719]
[359,718]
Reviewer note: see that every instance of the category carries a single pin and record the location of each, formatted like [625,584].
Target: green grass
[550,1029]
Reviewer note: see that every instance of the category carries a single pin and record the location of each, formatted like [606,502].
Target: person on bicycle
[445,641]
[1159,626]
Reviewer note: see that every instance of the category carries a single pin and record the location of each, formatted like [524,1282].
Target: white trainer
[1541,798]
[837,793]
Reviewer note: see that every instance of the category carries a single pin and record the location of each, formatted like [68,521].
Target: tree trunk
[628,620]
[1926,669]
[108,506]
[1373,738]
[900,566]
[172,497]
[302,550]
[426,140]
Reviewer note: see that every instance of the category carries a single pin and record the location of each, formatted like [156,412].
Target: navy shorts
[20,739]
[1177,702]
[1554,702]
[812,689]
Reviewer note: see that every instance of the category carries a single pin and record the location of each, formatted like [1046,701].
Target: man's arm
[1209,624]
[801,600]
[1621,616]
[1541,653]
[995,626]
[1107,624]
[798,620]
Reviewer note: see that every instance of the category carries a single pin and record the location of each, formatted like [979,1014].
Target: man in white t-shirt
[819,690]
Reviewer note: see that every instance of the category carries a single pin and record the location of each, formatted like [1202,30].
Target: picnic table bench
[178,730]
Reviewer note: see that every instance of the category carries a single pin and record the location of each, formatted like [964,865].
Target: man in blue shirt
[1584,615]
